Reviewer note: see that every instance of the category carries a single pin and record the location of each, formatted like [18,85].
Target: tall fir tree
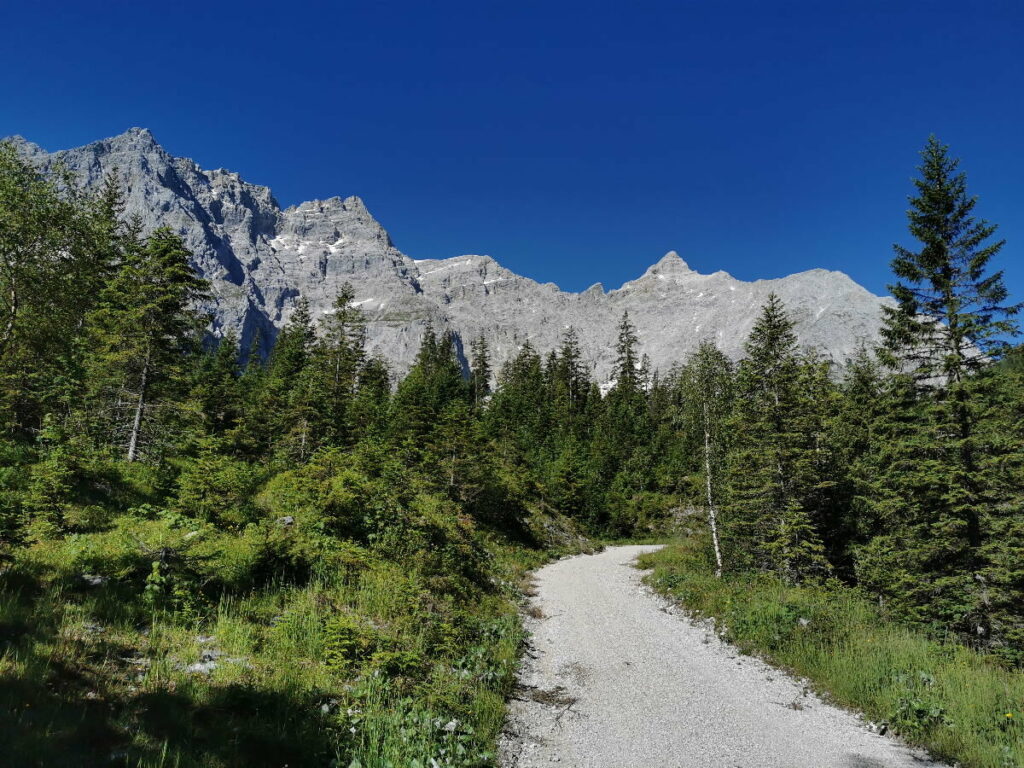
[337,359]
[480,371]
[773,522]
[140,337]
[934,508]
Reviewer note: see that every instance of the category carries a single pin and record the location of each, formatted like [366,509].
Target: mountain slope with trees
[261,258]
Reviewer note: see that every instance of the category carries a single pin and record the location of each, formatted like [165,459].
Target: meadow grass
[957,703]
[375,668]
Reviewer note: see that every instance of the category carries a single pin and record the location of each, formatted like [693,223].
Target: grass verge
[958,704]
[366,659]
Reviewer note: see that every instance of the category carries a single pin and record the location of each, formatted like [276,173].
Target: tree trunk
[12,316]
[133,442]
[712,515]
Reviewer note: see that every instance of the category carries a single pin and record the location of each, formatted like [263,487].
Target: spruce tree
[434,381]
[519,413]
[338,359]
[139,338]
[569,385]
[369,412]
[216,387]
[773,520]
[480,371]
[951,314]
[282,394]
[934,508]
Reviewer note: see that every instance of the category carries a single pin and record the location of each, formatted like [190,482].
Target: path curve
[615,677]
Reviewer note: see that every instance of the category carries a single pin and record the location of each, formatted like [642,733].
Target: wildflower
[1009,715]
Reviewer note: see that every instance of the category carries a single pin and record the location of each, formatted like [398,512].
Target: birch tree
[707,397]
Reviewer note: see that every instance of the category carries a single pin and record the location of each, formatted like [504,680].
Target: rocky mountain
[260,258]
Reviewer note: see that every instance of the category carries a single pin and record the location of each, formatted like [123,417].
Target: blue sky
[574,142]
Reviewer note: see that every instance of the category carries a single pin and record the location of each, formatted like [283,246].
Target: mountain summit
[260,258]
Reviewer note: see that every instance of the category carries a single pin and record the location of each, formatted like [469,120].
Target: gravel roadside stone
[616,677]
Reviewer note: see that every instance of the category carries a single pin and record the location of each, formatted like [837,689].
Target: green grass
[82,683]
[379,664]
[960,705]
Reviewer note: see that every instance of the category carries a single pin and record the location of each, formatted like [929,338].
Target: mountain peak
[23,146]
[260,258]
[669,264]
[140,138]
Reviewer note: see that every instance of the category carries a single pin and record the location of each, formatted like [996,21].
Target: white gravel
[616,677]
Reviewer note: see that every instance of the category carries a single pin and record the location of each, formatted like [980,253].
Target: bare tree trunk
[12,316]
[712,515]
[133,442]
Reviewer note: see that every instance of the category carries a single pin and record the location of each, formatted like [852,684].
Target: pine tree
[772,477]
[143,329]
[569,386]
[338,358]
[480,371]
[934,508]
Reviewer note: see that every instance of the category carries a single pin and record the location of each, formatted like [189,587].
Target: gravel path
[617,678]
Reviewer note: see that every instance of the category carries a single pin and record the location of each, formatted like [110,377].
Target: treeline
[901,473]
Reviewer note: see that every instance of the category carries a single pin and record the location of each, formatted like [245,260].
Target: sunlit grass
[87,680]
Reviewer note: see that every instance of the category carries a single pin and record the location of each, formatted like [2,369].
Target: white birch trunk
[133,441]
[712,515]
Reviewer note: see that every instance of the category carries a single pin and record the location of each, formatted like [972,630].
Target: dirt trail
[616,678]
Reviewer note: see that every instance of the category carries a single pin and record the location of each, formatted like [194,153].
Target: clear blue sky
[574,142]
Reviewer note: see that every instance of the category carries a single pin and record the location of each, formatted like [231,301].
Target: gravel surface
[616,677]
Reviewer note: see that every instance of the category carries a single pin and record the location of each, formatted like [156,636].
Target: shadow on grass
[232,726]
[84,711]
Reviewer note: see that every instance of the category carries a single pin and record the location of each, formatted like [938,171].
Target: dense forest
[221,556]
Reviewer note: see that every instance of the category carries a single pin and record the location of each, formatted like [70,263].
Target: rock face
[260,258]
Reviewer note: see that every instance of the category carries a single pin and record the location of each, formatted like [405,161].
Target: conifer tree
[518,414]
[57,250]
[480,371]
[951,314]
[282,393]
[140,335]
[935,511]
[217,385]
[772,476]
[369,413]
[623,424]
[434,381]
[569,385]
[339,357]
